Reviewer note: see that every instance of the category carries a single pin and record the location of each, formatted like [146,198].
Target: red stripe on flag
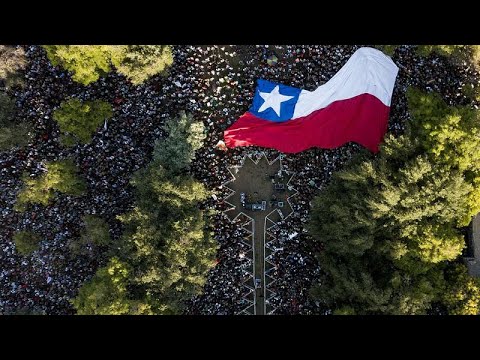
[362,119]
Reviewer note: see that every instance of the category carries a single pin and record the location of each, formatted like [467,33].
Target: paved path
[258,241]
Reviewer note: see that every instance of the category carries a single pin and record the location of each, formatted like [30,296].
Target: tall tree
[462,295]
[106,293]
[166,242]
[12,132]
[387,49]
[96,232]
[140,62]
[389,224]
[451,137]
[87,62]
[78,120]
[458,52]
[26,242]
[185,136]
[166,238]
[12,65]
[60,175]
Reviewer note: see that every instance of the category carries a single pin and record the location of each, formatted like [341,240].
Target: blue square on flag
[274,102]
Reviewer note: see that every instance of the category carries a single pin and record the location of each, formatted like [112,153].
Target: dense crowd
[216,85]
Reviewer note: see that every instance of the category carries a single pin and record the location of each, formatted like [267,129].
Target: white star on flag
[273,100]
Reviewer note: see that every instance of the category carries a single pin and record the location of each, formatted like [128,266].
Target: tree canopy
[170,248]
[390,224]
[90,62]
[458,52]
[12,132]
[387,49]
[7,107]
[59,175]
[26,242]
[140,62]
[12,65]
[87,62]
[78,120]
[106,293]
[166,238]
[176,152]
[95,232]
[462,296]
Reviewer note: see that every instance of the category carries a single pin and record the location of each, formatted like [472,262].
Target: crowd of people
[215,84]
[225,292]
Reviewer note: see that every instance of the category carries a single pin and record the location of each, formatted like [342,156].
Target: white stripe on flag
[367,71]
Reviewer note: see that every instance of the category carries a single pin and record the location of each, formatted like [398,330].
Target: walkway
[254,178]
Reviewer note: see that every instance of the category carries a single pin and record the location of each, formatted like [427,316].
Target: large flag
[352,106]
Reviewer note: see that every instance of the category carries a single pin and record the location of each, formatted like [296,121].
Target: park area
[116,198]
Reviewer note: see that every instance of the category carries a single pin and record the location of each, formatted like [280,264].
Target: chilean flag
[352,106]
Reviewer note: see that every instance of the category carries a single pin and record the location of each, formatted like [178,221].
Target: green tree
[462,293]
[60,175]
[347,310]
[451,137]
[389,223]
[458,52]
[413,294]
[140,62]
[7,108]
[168,245]
[450,134]
[387,49]
[12,65]
[106,293]
[185,136]
[96,232]
[166,240]
[350,283]
[386,222]
[87,62]
[12,133]
[26,242]
[78,120]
